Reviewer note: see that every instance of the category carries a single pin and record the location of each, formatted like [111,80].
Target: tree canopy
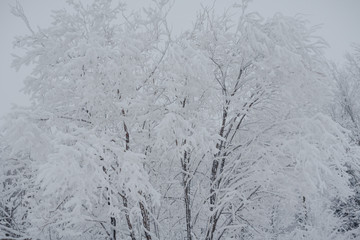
[222,132]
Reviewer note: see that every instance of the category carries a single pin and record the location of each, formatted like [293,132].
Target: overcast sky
[340,20]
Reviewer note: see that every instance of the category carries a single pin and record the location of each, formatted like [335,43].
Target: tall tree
[346,111]
[219,133]
[88,86]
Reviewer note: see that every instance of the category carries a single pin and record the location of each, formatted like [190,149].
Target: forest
[237,128]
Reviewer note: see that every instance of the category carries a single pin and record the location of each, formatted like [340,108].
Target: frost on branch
[221,132]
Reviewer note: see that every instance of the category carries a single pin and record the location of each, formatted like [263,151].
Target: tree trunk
[146,220]
[127,217]
[113,224]
[187,198]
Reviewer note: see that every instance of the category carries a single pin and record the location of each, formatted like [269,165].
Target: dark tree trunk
[187,191]
[146,220]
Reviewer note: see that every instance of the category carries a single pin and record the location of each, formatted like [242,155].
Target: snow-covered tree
[133,133]
[252,85]
[259,67]
[79,140]
[346,111]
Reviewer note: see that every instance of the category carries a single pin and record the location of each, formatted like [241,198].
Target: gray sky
[340,19]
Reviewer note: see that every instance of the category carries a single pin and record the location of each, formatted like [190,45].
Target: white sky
[340,19]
